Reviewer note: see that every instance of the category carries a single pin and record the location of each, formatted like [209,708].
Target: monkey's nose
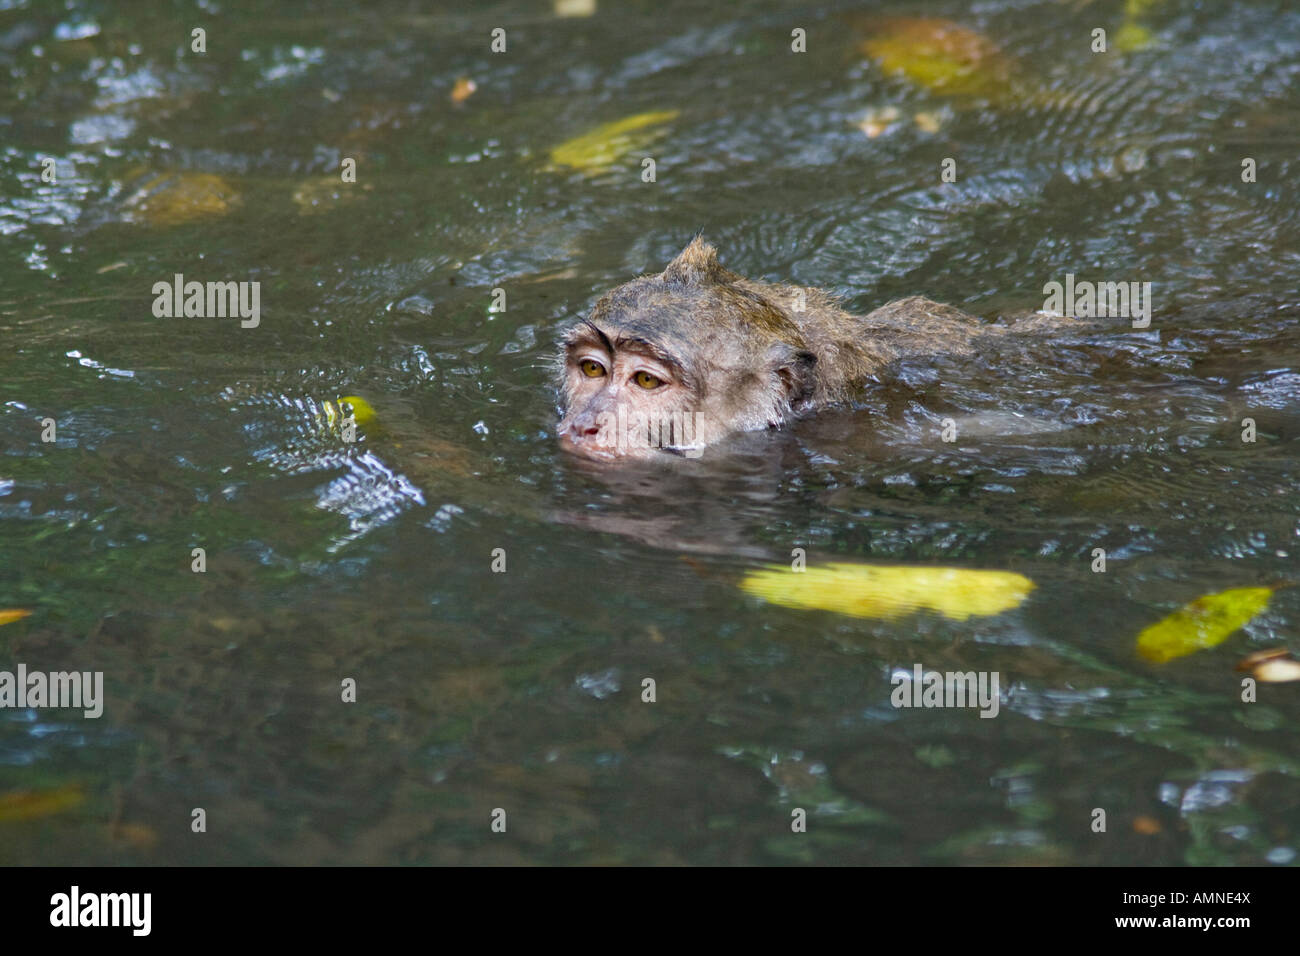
[582,438]
[581,428]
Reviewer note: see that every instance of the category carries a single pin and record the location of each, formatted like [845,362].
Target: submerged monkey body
[700,344]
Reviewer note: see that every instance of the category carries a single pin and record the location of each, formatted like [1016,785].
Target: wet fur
[750,357]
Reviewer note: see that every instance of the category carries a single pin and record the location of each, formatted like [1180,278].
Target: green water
[371,560]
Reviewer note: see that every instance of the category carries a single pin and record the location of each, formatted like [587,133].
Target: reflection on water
[500,606]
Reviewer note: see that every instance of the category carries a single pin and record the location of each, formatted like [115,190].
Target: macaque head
[671,363]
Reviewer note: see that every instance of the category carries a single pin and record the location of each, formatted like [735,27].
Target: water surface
[372,560]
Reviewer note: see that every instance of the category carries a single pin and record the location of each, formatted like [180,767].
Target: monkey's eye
[646,380]
[591,368]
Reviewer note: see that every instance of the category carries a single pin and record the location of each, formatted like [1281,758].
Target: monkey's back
[853,350]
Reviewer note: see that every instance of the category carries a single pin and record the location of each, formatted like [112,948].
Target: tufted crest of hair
[697,264]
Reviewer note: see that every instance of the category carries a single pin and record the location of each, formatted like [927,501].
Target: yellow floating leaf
[890,591]
[938,55]
[349,406]
[360,408]
[605,145]
[1206,622]
[12,614]
[172,199]
[18,805]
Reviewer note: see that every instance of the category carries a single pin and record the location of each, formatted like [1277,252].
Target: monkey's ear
[697,264]
[795,371]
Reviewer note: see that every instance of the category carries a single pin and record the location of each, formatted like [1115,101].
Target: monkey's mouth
[587,449]
[587,446]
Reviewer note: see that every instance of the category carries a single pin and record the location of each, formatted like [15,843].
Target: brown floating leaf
[1277,670]
[463,89]
[1258,657]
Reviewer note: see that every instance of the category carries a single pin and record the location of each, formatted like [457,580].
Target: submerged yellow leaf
[1131,37]
[9,615]
[602,147]
[172,199]
[890,591]
[18,805]
[1139,8]
[322,193]
[938,55]
[1206,622]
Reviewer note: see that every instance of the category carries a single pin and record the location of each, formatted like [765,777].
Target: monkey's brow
[587,327]
[584,330]
[651,349]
